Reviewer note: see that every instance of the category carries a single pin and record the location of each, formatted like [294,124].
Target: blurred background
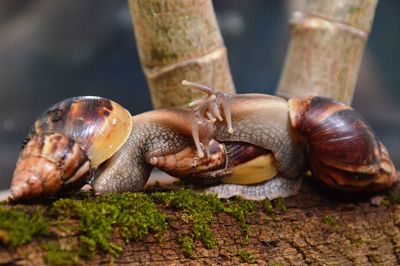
[54,49]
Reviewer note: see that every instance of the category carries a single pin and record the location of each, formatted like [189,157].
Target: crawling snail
[343,152]
[243,141]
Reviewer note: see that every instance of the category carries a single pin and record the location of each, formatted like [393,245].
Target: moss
[97,221]
[197,208]
[18,227]
[358,241]
[240,210]
[245,256]
[187,245]
[280,204]
[393,197]
[331,221]
[129,215]
[55,255]
[267,205]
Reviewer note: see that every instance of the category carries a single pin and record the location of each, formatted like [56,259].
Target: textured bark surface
[315,230]
[326,48]
[179,40]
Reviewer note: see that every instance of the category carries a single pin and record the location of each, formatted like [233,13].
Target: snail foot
[276,188]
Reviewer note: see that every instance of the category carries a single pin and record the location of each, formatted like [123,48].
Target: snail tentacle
[216,102]
[258,119]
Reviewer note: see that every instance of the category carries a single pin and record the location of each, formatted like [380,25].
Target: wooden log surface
[314,230]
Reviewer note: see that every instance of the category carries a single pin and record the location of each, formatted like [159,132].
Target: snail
[85,137]
[252,145]
[66,142]
[342,151]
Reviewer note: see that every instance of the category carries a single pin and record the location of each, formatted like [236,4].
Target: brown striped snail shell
[343,151]
[66,142]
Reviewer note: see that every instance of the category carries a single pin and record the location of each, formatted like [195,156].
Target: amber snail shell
[66,142]
[343,151]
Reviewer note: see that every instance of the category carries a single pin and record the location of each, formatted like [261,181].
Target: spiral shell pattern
[66,142]
[48,163]
[343,151]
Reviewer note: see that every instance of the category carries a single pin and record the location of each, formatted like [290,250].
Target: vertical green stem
[327,43]
[179,39]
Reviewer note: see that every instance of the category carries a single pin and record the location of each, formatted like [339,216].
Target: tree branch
[313,230]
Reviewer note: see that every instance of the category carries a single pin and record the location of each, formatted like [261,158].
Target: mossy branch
[182,227]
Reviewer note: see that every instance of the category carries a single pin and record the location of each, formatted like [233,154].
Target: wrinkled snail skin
[256,119]
[66,142]
[263,121]
[342,151]
[155,134]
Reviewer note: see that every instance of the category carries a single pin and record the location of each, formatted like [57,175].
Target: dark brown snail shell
[343,151]
[66,142]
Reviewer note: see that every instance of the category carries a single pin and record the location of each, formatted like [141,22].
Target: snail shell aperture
[66,142]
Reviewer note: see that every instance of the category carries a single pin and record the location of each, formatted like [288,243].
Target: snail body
[154,134]
[91,137]
[257,146]
[342,151]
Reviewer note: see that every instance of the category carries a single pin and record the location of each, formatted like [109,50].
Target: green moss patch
[331,221]
[280,204]
[187,245]
[199,210]
[105,223]
[240,210]
[196,208]
[393,197]
[245,256]
[17,227]
[131,216]
[267,205]
[55,255]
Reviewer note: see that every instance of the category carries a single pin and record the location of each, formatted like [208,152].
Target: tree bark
[179,40]
[326,48]
[315,230]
